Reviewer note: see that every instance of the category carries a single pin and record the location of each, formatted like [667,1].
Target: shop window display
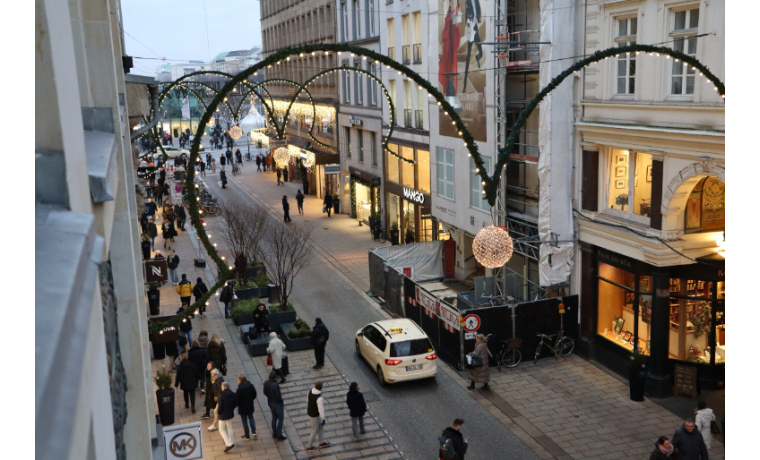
[625,308]
[691,320]
[630,183]
[407,169]
[706,207]
[392,164]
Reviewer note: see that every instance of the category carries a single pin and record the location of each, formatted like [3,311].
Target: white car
[397,349]
[172,152]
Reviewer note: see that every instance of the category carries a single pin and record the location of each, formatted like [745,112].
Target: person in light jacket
[275,348]
[480,374]
[702,419]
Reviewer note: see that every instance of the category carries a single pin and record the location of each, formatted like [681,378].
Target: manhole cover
[370,397]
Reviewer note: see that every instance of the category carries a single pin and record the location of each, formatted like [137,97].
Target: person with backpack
[452,444]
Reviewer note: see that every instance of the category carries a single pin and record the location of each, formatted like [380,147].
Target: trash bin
[274,293]
[159,350]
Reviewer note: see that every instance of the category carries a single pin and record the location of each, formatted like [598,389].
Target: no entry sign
[178,188]
[471,323]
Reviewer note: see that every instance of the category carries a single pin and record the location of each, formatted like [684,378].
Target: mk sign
[183,442]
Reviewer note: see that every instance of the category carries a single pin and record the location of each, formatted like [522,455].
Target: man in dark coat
[179,211]
[152,233]
[226,297]
[228,154]
[150,208]
[187,379]
[144,222]
[210,403]
[186,326]
[226,409]
[258,163]
[460,444]
[279,176]
[222,160]
[197,356]
[327,203]
[689,443]
[276,404]
[198,291]
[223,178]
[319,337]
[245,394]
[172,262]
[286,208]
[299,201]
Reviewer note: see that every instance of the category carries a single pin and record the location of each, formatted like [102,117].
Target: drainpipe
[153,89]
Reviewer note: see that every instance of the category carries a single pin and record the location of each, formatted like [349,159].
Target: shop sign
[355,121]
[170,333]
[435,308]
[414,195]
[183,441]
[156,270]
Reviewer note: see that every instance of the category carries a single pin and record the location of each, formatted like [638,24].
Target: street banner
[186,108]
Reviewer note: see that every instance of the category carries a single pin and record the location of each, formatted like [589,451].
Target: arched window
[706,207]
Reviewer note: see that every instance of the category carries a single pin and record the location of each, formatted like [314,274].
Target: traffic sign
[471,323]
[178,188]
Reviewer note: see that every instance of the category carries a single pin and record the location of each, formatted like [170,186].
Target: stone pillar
[658,383]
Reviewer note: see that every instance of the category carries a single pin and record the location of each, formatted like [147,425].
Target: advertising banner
[462,64]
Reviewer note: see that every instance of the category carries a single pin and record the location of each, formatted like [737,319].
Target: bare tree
[288,251]
[243,226]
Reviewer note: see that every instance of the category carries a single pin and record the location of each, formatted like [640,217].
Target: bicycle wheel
[382,236]
[538,352]
[510,357]
[566,346]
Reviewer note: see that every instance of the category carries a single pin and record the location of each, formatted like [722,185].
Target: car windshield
[411,347]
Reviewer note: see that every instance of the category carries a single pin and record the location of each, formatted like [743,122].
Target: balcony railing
[418,119]
[417,53]
[408,118]
[405,55]
[392,52]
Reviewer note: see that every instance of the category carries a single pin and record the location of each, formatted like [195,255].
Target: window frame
[684,35]
[346,84]
[478,204]
[360,147]
[344,20]
[442,182]
[629,58]
[606,171]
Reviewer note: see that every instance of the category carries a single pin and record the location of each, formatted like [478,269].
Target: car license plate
[415,367]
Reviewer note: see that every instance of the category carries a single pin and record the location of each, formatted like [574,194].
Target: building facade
[650,190]
[311,133]
[91,337]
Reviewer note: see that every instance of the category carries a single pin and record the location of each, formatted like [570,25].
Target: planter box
[255,272]
[276,319]
[239,320]
[302,343]
[258,346]
[248,293]
[244,332]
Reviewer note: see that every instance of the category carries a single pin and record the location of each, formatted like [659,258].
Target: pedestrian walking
[275,349]
[181,216]
[198,291]
[145,245]
[357,407]
[186,326]
[258,163]
[203,168]
[226,409]
[226,296]
[276,405]
[458,442]
[150,208]
[246,394]
[663,450]
[203,339]
[172,262]
[197,356]
[222,160]
[168,231]
[223,177]
[327,203]
[152,233]
[269,161]
[315,409]
[217,353]
[187,379]
[239,157]
[228,154]
[703,418]
[217,379]
[279,176]
[144,222]
[480,374]
[209,403]
[299,202]
[208,160]
[319,337]
[213,164]
[689,443]
[169,212]
[286,208]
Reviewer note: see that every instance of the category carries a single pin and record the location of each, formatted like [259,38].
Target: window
[346,85]
[411,347]
[407,169]
[423,171]
[392,164]
[706,207]
[624,307]
[445,172]
[370,18]
[359,84]
[361,146]
[630,183]
[347,140]
[392,91]
[372,85]
[476,186]
[373,147]
[391,38]
[626,63]
[356,24]
[344,21]
[684,40]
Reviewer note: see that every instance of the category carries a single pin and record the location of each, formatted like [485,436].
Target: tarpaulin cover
[424,259]
[555,142]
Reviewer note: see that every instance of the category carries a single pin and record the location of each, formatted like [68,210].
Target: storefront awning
[365,176]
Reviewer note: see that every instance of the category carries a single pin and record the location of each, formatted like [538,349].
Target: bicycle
[248,156]
[509,354]
[235,170]
[562,345]
[209,207]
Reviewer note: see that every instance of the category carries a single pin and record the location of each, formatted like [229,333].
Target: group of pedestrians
[263,161]
[692,440]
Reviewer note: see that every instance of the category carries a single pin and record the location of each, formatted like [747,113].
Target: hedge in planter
[243,313]
[296,335]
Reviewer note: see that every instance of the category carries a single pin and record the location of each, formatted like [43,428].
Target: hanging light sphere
[235,132]
[281,156]
[211,122]
[492,247]
[308,162]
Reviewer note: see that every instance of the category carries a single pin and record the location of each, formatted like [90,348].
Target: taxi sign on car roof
[396,329]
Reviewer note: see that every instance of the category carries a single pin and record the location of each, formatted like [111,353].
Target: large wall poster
[462,64]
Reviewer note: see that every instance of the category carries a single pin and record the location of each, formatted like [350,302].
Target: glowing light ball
[492,247]
[211,122]
[281,156]
[235,132]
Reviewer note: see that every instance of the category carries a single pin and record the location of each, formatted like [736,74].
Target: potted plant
[637,374]
[394,233]
[165,396]
[409,236]
[622,200]
[154,298]
[297,335]
[243,313]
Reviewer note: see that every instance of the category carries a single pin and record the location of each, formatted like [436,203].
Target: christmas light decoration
[281,156]
[492,247]
[235,132]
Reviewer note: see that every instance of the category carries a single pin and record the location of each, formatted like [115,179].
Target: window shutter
[590,191]
[655,220]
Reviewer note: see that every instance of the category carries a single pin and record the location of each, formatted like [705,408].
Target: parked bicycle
[248,156]
[508,354]
[556,343]
[209,207]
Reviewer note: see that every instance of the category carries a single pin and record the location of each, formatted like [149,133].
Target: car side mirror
[360,334]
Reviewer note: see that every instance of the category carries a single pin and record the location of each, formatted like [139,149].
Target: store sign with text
[414,195]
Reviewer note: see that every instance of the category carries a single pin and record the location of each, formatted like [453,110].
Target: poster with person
[462,63]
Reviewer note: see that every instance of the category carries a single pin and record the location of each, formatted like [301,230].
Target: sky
[176,30]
